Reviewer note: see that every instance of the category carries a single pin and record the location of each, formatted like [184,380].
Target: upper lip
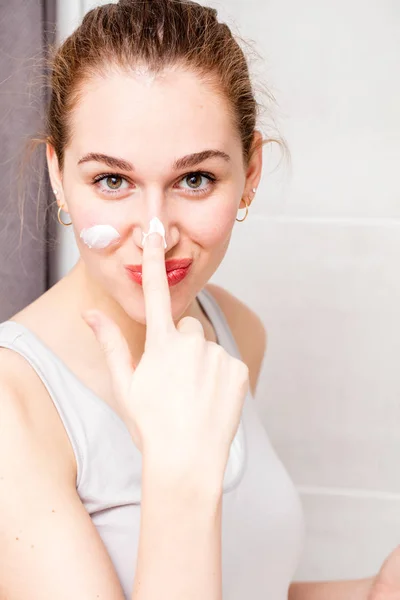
[170,265]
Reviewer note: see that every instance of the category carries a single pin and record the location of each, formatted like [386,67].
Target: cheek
[99,228]
[210,224]
[84,218]
[213,227]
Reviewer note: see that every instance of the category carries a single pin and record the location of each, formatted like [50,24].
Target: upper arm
[49,547]
[247,329]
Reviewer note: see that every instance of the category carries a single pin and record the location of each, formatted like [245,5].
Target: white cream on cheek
[99,236]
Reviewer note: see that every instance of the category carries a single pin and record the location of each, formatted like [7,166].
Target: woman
[125,439]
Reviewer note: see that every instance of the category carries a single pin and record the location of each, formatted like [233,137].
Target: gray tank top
[262,523]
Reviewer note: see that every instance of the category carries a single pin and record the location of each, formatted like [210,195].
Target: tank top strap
[215,314]
[24,342]
[94,429]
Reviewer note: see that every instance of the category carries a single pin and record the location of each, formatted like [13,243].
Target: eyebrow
[190,160]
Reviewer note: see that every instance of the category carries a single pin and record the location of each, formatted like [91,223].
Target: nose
[167,229]
[154,213]
[155,226]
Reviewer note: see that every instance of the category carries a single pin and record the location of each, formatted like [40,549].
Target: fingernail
[154,240]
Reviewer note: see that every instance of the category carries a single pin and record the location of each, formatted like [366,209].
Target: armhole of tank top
[61,413]
[216,316]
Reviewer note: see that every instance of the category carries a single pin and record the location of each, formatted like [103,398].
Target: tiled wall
[319,258]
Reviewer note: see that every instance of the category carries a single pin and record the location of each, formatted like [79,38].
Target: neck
[82,292]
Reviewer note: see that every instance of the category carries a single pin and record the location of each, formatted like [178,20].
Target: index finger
[156,293]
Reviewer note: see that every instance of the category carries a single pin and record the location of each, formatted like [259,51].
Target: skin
[197,226]
[130,124]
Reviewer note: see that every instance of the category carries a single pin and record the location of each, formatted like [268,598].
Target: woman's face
[145,147]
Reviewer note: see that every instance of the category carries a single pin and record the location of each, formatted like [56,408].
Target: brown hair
[159,34]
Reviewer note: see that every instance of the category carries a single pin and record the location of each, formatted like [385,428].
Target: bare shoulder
[247,329]
[25,404]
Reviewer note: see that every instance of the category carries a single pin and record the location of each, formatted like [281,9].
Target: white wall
[328,243]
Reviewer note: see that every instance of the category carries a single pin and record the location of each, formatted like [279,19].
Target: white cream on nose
[155,226]
[99,236]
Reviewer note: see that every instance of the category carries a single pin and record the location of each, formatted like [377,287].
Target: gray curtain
[26,29]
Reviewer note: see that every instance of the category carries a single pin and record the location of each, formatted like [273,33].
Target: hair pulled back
[158,34]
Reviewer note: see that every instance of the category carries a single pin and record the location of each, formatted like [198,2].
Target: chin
[135,307]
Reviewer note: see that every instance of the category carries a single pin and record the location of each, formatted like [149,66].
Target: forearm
[179,555]
[331,590]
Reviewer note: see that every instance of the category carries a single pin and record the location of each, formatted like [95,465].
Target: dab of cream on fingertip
[99,236]
[155,226]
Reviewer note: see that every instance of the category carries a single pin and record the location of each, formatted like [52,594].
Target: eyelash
[212,180]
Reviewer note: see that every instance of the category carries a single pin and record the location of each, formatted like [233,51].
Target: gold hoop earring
[247,212]
[59,218]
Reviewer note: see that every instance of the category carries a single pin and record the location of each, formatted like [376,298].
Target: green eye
[194,180]
[198,182]
[111,183]
[114,182]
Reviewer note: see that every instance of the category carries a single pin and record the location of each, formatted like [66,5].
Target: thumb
[115,348]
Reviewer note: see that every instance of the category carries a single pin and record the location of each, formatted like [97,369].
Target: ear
[55,175]
[254,168]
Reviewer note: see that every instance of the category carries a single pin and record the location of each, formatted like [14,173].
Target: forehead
[151,116]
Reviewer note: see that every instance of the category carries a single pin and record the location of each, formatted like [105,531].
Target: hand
[386,585]
[182,403]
